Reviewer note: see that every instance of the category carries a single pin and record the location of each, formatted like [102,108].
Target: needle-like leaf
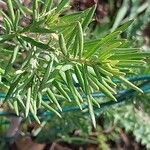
[28,102]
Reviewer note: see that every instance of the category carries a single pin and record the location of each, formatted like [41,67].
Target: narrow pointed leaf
[105,52]
[35,9]
[71,38]
[20,6]
[78,95]
[53,98]
[39,100]
[47,5]
[34,115]
[61,5]
[102,41]
[11,10]
[123,27]
[85,78]
[62,44]
[61,90]
[14,56]
[47,73]
[104,90]
[15,104]
[130,56]
[7,26]
[17,17]
[88,18]
[93,84]
[12,87]
[72,88]
[75,48]
[95,101]
[128,83]
[121,14]
[35,43]
[109,80]
[45,105]
[6,37]
[80,39]
[79,77]
[108,86]
[91,111]
[103,71]
[12,59]
[28,100]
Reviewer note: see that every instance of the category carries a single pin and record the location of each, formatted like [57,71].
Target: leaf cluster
[51,57]
[135,121]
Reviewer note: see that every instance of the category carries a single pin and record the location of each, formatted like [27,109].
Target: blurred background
[122,127]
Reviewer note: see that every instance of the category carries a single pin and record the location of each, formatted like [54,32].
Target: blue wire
[2,95]
[121,96]
[98,94]
[131,79]
[136,78]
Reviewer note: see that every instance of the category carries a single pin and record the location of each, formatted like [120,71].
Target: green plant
[51,56]
[135,119]
[134,116]
[120,12]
